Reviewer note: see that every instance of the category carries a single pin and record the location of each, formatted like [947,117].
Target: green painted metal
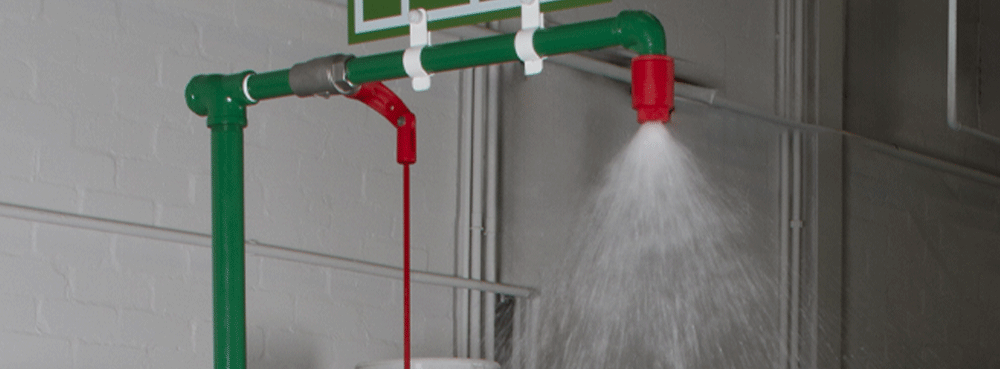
[636,30]
[222,99]
[473,18]
[380,9]
[228,275]
[269,85]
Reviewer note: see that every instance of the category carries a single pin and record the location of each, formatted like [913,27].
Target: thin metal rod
[464,214]
[406,266]
[492,173]
[796,248]
[254,248]
[952,85]
[475,229]
[882,147]
[784,230]
[710,97]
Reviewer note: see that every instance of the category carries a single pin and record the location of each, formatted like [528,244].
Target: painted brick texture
[93,122]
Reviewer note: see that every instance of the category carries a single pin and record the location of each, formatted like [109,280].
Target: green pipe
[269,85]
[636,30]
[228,292]
[213,95]
[223,100]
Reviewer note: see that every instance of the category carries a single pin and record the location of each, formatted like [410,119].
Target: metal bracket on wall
[955,104]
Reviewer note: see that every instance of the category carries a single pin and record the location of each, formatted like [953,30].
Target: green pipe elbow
[220,97]
[641,32]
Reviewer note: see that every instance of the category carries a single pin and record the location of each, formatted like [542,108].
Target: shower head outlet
[653,87]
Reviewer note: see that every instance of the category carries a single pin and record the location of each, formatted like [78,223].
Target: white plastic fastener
[524,41]
[419,38]
[246,88]
[531,14]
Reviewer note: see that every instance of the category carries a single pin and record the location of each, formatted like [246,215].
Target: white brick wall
[93,121]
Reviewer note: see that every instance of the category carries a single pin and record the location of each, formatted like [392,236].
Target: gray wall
[921,268]
[726,45]
[560,128]
[922,248]
[93,123]
[895,80]
[557,131]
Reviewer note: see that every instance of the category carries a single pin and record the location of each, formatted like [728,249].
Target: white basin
[431,363]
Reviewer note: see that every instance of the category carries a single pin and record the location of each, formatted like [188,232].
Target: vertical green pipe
[228,275]
[221,99]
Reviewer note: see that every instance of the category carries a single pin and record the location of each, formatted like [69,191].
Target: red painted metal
[385,102]
[406,266]
[390,106]
[653,87]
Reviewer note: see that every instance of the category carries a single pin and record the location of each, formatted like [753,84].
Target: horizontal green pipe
[269,85]
[636,30]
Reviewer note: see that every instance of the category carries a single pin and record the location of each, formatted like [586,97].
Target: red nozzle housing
[653,87]
[390,106]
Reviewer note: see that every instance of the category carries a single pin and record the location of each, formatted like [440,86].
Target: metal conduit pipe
[879,146]
[264,250]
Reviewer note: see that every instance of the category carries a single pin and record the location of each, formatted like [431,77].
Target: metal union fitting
[323,76]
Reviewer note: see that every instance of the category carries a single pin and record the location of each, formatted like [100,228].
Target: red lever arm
[385,102]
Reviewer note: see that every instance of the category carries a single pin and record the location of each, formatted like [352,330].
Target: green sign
[369,20]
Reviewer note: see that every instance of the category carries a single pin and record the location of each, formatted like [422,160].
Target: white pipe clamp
[419,38]
[524,44]
[524,41]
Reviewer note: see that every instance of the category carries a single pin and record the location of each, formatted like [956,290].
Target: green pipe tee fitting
[224,100]
[220,97]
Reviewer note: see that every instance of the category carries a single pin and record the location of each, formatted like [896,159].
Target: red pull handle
[390,106]
[385,102]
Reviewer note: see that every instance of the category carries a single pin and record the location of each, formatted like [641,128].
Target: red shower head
[653,87]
